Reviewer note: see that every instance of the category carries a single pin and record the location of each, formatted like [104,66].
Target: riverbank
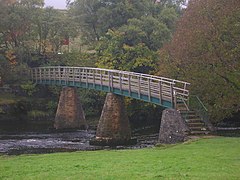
[214,158]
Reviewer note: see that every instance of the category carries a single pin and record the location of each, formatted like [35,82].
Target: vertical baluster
[149,90]
[66,75]
[44,75]
[80,75]
[36,74]
[59,75]
[172,96]
[40,75]
[160,91]
[94,80]
[86,70]
[73,69]
[49,75]
[120,82]
[109,82]
[101,81]
[112,80]
[54,75]
[175,98]
[129,84]
[139,87]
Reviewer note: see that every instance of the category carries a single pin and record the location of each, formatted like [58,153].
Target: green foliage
[216,158]
[92,101]
[148,30]
[12,73]
[114,53]
[209,36]
[80,59]
[29,88]
[34,114]
[97,17]
[52,106]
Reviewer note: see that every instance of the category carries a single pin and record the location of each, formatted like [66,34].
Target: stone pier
[173,128]
[70,114]
[113,128]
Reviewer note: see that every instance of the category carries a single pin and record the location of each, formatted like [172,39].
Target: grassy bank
[216,158]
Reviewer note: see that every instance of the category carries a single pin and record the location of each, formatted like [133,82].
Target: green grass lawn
[215,158]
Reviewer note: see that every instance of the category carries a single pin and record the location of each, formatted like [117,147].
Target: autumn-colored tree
[205,51]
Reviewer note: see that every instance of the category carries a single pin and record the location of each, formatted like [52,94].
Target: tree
[205,51]
[148,30]
[96,17]
[115,53]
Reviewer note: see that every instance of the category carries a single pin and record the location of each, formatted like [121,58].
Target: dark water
[37,138]
[36,143]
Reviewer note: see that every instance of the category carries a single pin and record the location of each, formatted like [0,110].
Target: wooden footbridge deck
[154,89]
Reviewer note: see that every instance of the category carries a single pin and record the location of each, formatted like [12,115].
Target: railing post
[172,95]
[40,75]
[129,84]
[175,98]
[49,75]
[111,73]
[149,90]
[139,87]
[44,75]
[59,75]
[86,77]
[73,70]
[66,75]
[94,79]
[160,92]
[101,81]
[80,76]
[120,82]
[109,83]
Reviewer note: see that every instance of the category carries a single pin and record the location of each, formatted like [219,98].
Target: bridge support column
[173,128]
[70,112]
[113,128]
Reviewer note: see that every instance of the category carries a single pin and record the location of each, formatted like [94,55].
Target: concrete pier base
[173,128]
[113,128]
[70,113]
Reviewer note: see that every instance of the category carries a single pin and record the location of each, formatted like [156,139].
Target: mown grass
[216,158]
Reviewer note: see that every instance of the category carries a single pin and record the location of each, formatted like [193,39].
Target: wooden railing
[154,89]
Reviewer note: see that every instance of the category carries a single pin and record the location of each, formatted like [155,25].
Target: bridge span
[154,89]
[114,127]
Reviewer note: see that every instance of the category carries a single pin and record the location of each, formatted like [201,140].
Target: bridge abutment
[113,128]
[70,113]
[173,128]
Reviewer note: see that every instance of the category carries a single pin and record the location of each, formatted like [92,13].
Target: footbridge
[153,89]
[113,127]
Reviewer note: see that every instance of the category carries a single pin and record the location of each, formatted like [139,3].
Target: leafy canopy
[205,50]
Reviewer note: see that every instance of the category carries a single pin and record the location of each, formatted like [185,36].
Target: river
[52,141]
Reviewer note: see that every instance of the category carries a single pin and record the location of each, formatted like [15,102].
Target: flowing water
[52,141]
